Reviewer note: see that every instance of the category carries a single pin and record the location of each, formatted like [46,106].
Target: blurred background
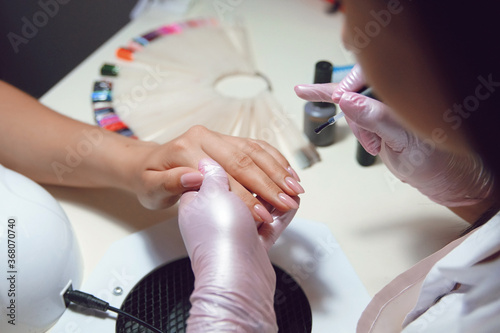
[43,40]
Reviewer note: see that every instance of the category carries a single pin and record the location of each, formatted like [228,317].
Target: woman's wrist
[126,162]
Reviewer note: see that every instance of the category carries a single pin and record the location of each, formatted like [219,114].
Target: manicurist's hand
[234,278]
[446,178]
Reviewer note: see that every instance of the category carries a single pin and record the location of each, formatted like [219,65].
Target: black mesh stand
[161,298]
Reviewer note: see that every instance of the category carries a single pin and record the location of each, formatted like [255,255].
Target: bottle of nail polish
[317,113]
[363,157]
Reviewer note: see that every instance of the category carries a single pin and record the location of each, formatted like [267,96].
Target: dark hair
[465,41]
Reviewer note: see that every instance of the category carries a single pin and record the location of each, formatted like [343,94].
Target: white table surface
[383,226]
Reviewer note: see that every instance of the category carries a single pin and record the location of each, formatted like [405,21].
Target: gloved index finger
[354,81]
[214,176]
[270,232]
[319,92]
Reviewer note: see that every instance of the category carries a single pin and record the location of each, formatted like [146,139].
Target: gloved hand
[449,179]
[234,278]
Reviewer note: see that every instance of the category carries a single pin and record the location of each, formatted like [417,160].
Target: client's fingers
[269,233]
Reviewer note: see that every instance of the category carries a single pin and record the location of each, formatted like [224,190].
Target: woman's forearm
[53,149]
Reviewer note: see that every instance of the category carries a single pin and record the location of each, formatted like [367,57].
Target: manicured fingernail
[263,213]
[293,173]
[294,185]
[192,179]
[288,201]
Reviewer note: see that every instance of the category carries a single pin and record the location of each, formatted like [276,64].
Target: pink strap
[403,291]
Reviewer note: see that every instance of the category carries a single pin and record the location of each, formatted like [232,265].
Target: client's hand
[446,178]
[253,166]
[234,278]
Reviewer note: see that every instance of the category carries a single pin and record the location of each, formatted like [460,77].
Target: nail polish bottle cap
[323,74]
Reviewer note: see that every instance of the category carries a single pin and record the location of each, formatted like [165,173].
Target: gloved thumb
[354,81]
[214,177]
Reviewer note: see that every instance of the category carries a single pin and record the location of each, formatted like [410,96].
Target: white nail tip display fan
[200,72]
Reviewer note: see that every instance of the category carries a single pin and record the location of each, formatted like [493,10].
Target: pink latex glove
[449,179]
[234,278]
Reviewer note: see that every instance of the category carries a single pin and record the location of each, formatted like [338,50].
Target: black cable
[92,302]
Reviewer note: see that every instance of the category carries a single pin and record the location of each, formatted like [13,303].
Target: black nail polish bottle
[363,157]
[317,113]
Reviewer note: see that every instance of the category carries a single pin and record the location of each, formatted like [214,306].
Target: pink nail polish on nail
[192,179]
[263,213]
[288,201]
[294,185]
[292,173]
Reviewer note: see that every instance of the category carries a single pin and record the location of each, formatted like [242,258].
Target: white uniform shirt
[457,289]
[471,289]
